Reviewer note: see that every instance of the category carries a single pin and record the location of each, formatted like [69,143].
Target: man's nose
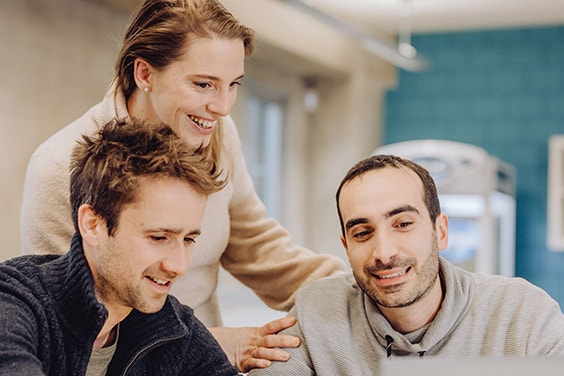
[178,259]
[383,247]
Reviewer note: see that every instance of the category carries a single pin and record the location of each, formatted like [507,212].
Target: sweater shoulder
[329,295]
[22,279]
[509,290]
[24,268]
[497,283]
[59,145]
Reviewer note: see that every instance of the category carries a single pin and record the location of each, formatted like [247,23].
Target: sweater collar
[113,106]
[120,103]
[458,289]
[72,287]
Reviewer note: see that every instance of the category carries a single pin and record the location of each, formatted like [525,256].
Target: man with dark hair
[402,299]
[138,196]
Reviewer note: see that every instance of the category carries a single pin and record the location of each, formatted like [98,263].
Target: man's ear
[344,243]
[142,72]
[89,225]
[441,227]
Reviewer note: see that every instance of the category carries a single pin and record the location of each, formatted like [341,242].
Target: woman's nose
[222,102]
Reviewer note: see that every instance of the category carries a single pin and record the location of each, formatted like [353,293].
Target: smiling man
[138,196]
[402,298]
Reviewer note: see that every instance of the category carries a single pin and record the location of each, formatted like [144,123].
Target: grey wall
[56,59]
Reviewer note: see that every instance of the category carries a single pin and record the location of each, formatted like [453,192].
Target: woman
[181,63]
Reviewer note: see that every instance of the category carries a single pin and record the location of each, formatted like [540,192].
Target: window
[555,206]
[262,138]
[263,148]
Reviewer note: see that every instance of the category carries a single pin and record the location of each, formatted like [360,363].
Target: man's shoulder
[22,283]
[341,280]
[335,290]
[502,286]
[24,267]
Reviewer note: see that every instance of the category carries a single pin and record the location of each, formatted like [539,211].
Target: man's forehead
[387,179]
[386,189]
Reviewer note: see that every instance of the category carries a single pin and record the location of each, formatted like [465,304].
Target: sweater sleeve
[300,361]
[46,225]
[206,356]
[260,253]
[19,344]
[45,221]
[544,322]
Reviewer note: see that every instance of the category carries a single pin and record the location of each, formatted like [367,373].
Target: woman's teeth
[202,123]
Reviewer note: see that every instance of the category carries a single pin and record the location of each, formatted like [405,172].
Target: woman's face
[193,92]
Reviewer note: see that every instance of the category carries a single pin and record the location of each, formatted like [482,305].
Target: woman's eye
[203,85]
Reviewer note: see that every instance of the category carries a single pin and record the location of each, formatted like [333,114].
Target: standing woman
[181,63]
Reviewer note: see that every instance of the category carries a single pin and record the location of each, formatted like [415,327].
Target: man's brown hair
[106,168]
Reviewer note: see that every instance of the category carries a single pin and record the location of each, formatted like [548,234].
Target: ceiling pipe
[378,47]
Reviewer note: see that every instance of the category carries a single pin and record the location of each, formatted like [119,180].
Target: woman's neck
[139,106]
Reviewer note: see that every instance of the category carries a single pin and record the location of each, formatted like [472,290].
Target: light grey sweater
[344,333]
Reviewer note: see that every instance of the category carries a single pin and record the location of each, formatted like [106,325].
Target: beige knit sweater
[236,232]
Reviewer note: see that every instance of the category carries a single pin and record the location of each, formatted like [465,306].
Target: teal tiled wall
[503,91]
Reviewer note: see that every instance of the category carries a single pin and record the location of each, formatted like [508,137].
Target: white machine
[477,192]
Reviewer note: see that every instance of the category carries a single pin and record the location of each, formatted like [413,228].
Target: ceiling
[383,16]
[444,15]
[377,23]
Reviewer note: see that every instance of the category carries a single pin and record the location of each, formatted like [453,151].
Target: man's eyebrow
[362,220]
[401,209]
[174,231]
[354,222]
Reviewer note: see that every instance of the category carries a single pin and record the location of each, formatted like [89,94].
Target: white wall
[57,61]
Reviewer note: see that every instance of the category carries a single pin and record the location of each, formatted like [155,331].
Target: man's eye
[158,238]
[405,224]
[189,240]
[361,234]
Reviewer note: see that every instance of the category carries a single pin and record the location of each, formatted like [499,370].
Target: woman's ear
[89,225]
[142,72]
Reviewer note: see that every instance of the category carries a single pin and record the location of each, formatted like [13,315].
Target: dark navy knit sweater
[49,319]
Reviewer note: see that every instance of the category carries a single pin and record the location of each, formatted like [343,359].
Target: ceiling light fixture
[404,36]
[385,50]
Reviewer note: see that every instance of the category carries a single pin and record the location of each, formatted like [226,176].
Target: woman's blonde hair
[161,30]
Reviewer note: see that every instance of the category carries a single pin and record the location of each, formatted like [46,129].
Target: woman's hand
[256,347]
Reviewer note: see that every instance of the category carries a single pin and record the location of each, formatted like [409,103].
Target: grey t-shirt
[101,358]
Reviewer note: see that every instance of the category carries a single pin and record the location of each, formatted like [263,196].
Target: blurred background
[330,83]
